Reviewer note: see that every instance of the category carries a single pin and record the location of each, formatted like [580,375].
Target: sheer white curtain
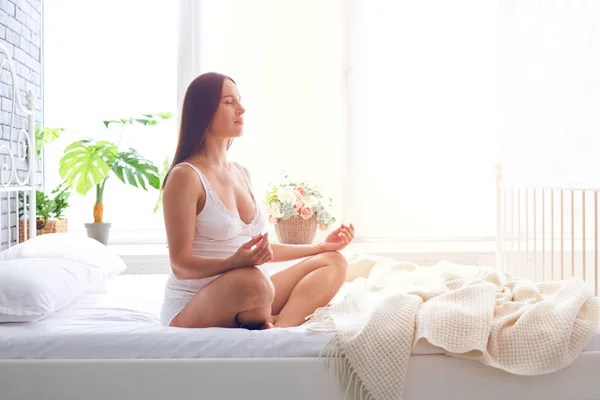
[551,102]
[107,60]
[423,101]
[286,58]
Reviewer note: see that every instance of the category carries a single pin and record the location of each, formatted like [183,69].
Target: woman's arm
[286,252]
[335,241]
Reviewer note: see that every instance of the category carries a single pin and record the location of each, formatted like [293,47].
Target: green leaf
[135,170]
[61,200]
[44,205]
[165,115]
[85,164]
[147,120]
[162,175]
[143,121]
[114,121]
[165,168]
[45,136]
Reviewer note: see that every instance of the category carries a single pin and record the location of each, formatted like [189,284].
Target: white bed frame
[547,233]
[21,151]
[429,376]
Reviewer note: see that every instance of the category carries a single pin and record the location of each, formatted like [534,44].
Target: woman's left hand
[339,239]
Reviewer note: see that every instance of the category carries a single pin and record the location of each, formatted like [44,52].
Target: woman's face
[228,121]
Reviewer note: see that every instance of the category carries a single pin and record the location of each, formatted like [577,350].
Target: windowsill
[383,248]
[153,258]
[140,249]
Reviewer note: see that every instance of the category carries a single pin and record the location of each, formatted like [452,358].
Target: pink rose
[306,212]
[323,227]
[299,193]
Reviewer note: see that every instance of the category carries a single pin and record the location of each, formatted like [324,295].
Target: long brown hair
[200,104]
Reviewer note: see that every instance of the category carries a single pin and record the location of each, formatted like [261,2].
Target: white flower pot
[98,231]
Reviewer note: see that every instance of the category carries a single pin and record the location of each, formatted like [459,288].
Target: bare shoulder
[183,180]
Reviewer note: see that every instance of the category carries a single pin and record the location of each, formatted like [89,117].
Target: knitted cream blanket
[470,312]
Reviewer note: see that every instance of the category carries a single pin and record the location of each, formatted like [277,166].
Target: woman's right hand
[247,256]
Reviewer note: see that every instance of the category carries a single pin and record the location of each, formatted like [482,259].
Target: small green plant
[48,207]
[90,163]
[53,206]
[61,200]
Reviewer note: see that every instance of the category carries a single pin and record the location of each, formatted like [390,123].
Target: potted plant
[49,211]
[88,164]
[296,209]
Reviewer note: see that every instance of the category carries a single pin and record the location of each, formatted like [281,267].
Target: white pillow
[33,288]
[70,247]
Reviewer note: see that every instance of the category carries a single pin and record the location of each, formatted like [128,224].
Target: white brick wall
[21,32]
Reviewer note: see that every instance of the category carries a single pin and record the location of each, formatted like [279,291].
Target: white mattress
[124,324]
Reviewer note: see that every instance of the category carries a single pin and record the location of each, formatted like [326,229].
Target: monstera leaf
[85,164]
[133,169]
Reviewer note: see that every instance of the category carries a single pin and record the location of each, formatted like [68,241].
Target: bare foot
[270,322]
[267,325]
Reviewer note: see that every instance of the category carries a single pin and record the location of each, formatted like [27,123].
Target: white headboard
[17,175]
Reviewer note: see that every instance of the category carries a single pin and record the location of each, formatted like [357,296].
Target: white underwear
[179,292]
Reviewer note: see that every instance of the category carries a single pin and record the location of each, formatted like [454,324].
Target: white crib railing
[548,233]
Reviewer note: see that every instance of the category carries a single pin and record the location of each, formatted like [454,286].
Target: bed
[111,346]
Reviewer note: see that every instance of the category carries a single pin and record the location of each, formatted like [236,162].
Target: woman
[214,225]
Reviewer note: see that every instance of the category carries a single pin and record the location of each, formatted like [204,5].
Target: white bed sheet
[124,324]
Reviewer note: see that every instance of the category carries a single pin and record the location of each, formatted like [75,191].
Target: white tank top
[219,233]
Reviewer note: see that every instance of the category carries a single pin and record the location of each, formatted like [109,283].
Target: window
[423,119]
[286,58]
[551,92]
[550,115]
[400,110]
[107,60]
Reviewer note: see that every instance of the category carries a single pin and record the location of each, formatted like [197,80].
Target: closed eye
[229,99]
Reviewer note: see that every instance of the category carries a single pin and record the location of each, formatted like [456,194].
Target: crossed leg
[306,286]
[245,296]
[239,297]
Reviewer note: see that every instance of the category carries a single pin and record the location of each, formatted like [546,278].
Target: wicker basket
[296,230]
[44,227]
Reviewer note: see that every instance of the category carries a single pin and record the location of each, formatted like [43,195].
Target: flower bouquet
[296,209]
